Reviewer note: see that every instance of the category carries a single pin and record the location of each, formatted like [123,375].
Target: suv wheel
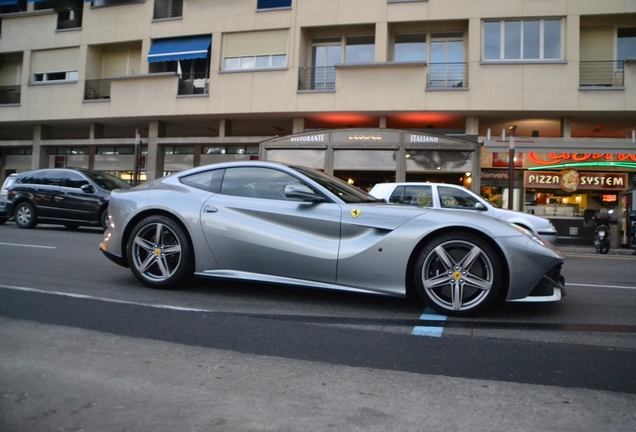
[25,216]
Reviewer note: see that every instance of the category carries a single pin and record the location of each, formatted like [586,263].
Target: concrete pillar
[225,128]
[298,125]
[381,42]
[566,127]
[382,124]
[97,131]
[40,158]
[472,125]
[155,158]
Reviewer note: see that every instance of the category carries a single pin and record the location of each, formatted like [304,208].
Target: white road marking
[567,284]
[89,297]
[27,245]
[431,331]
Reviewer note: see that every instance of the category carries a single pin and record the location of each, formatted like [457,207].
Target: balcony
[167,9]
[97,89]
[608,73]
[9,94]
[69,18]
[447,76]
[193,83]
[317,78]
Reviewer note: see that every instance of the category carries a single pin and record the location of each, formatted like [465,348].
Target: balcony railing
[165,9]
[97,89]
[317,78]
[194,83]
[602,73]
[447,75]
[69,18]
[9,94]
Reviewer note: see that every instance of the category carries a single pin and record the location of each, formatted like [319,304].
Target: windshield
[106,181]
[339,188]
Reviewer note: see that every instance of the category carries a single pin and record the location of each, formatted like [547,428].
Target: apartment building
[368,90]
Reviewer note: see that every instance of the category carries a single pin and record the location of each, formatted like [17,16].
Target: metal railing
[194,83]
[317,78]
[9,94]
[69,18]
[447,75]
[168,9]
[97,89]
[608,73]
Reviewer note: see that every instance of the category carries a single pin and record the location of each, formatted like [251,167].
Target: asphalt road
[84,346]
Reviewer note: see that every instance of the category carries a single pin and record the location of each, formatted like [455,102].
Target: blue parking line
[431,331]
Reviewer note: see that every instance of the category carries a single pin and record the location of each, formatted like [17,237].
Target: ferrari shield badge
[355,212]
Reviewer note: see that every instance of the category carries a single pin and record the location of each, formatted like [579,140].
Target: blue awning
[8,2]
[184,48]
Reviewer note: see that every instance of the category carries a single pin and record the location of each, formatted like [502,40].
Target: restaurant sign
[571,180]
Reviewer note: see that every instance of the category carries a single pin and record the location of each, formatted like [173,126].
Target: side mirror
[480,206]
[87,188]
[302,192]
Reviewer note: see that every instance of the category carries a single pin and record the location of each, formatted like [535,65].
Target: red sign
[557,158]
[571,180]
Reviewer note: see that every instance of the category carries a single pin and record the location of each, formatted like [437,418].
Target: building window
[360,49]
[523,40]
[98,3]
[410,47]
[626,44]
[273,4]
[165,9]
[55,76]
[255,50]
[121,150]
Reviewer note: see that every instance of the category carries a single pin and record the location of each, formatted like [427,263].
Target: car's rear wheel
[159,253]
[458,274]
[25,216]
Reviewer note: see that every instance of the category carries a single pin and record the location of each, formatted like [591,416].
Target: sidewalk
[569,248]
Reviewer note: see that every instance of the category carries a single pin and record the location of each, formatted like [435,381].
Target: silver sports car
[268,222]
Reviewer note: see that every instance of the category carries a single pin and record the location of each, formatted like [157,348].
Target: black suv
[70,197]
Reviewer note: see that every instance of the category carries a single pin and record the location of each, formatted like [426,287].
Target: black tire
[458,274]
[3,221]
[103,219]
[160,254]
[25,216]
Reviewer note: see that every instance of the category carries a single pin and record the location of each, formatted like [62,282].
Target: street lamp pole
[511,167]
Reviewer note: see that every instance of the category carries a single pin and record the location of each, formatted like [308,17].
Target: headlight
[529,234]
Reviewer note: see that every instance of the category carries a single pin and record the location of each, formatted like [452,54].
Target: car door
[46,193]
[251,226]
[77,203]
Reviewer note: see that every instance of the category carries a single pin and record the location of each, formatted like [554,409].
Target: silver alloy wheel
[457,275]
[156,252]
[24,215]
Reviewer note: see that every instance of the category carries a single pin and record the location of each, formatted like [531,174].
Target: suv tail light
[10,194]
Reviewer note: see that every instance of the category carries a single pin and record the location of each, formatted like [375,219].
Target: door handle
[59,198]
[210,209]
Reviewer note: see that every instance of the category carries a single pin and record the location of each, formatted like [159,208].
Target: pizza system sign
[571,180]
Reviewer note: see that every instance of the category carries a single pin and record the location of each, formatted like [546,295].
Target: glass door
[446,65]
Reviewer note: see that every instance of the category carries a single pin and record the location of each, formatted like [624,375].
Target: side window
[208,180]
[31,178]
[52,178]
[456,198]
[263,183]
[74,180]
[421,196]
[397,197]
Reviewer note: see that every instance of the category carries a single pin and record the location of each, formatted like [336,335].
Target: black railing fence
[9,94]
[69,18]
[168,9]
[97,89]
[194,83]
[608,73]
[317,78]
[447,75]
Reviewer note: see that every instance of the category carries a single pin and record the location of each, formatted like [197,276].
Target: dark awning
[8,2]
[183,48]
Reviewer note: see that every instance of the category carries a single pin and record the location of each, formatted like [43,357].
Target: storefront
[567,188]
[364,157]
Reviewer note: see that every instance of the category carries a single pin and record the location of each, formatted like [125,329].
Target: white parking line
[27,245]
[104,299]
[568,284]
[431,331]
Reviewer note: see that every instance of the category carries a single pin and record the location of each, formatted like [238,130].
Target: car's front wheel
[458,274]
[159,253]
[25,216]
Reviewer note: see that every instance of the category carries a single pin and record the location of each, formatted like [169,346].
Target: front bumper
[551,288]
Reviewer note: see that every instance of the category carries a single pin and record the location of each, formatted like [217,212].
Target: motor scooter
[602,232]
[632,235]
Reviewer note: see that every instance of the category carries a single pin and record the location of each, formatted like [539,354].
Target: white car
[449,196]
